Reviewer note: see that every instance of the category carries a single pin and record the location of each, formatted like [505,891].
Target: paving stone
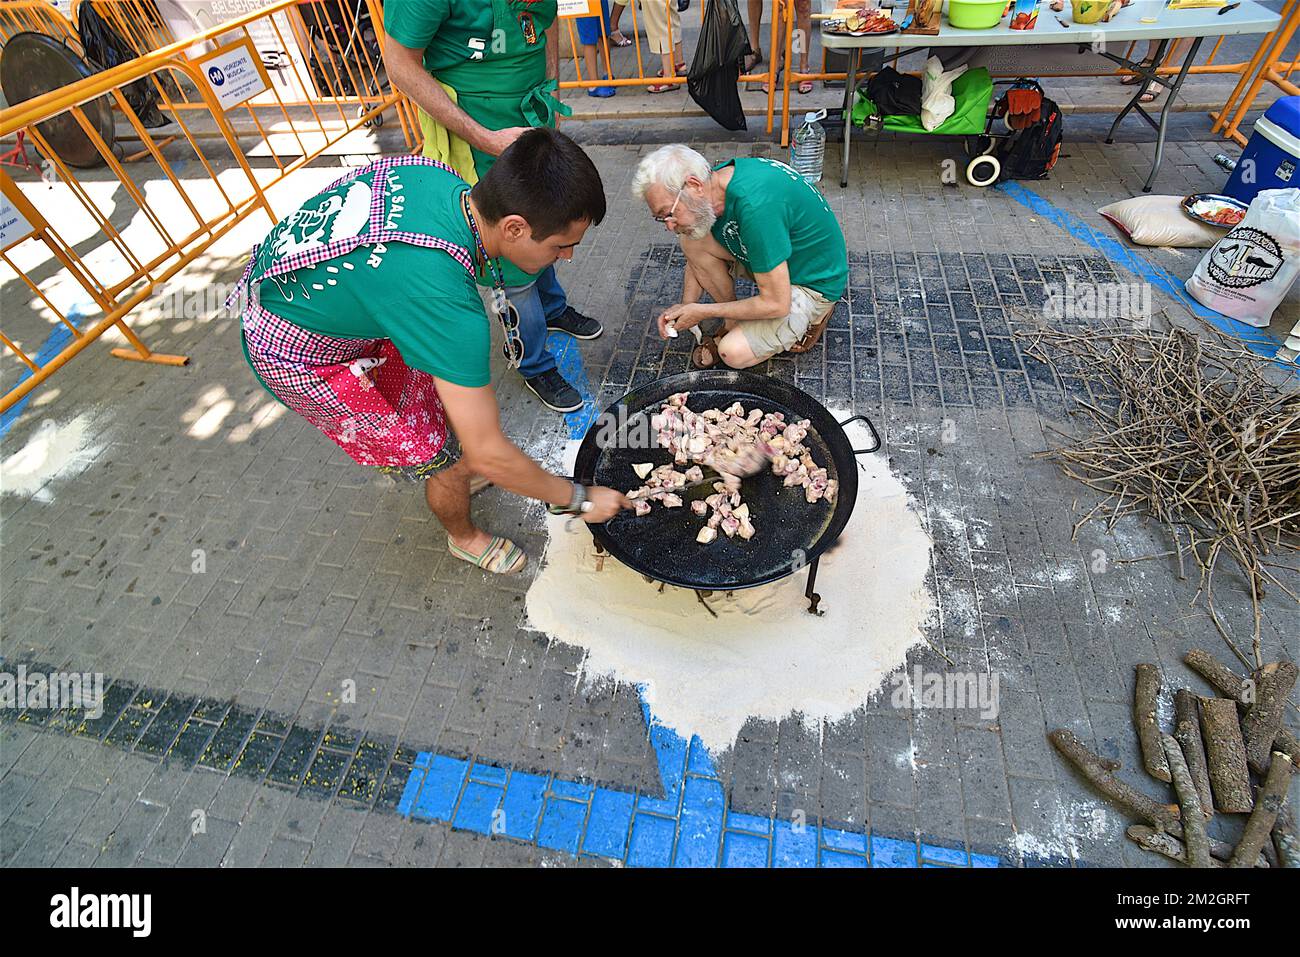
[318,573]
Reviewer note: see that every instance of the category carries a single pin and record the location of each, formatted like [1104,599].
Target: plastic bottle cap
[810,117]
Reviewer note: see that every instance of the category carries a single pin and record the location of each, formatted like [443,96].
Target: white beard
[705,217]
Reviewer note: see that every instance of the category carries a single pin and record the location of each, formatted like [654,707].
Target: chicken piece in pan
[735,443]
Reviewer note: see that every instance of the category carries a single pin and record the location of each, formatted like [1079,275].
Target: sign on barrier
[234,72]
[18,218]
[579,8]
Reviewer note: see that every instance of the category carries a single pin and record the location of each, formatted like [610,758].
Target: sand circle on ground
[763,655]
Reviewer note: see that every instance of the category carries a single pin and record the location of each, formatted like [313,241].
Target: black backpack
[1033,150]
[894,93]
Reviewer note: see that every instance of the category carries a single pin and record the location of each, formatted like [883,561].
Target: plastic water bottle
[808,148]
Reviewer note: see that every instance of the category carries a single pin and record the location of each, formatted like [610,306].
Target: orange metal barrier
[116,250]
[74,240]
[318,90]
[313,50]
[625,73]
[1272,68]
[35,16]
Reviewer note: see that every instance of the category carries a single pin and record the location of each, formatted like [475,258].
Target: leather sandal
[708,347]
[813,334]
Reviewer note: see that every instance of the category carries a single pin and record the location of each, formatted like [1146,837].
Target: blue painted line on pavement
[1257,340]
[568,359]
[689,825]
[53,345]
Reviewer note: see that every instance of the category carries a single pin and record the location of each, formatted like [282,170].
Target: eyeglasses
[669,215]
[513,347]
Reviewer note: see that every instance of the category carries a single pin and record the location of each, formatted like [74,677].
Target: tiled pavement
[321,581]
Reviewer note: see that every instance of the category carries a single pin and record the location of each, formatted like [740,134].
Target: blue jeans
[537,302]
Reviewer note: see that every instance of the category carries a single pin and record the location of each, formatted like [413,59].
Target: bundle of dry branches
[1190,430]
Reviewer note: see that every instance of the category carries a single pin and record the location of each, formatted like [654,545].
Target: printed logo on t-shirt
[1245,257]
[731,239]
[340,216]
[777,164]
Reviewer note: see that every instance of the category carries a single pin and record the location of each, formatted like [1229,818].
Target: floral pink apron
[358,392]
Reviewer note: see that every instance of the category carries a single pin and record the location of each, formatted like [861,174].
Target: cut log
[1273,684]
[1146,689]
[1222,678]
[1149,839]
[1225,752]
[1187,730]
[1285,841]
[1193,815]
[1152,840]
[1272,797]
[1233,686]
[1098,771]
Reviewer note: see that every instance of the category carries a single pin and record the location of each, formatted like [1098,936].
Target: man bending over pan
[746,218]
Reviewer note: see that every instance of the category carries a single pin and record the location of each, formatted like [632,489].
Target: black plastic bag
[106,48]
[713,80]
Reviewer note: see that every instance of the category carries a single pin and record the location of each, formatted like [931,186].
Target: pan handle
[874,434]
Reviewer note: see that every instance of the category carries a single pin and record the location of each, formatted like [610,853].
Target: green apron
[504,83]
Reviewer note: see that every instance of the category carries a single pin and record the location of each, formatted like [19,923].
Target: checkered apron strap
[242,284]
[382,166]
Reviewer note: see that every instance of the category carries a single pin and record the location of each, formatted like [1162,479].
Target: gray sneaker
[572,322]
[555,392]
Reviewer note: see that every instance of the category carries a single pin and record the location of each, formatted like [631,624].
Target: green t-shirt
[772,215]
[422,299]
[480,48]
[463,48]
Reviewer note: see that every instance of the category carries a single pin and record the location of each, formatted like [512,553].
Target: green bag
[971,92]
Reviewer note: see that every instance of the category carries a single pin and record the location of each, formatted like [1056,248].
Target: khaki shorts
[767,337]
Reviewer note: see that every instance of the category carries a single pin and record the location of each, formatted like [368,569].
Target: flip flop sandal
[708,347]
[619,40]
[1151,95]
[501,557]
[761,85]
[805,86]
